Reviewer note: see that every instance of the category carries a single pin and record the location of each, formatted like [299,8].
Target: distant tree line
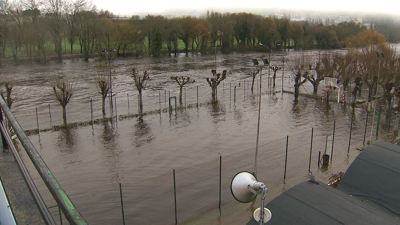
[29,28]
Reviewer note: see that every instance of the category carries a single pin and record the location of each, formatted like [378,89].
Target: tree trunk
[140,102]
[64,112]
[315,90]
[180,95]
[214,94]
[103,105]
[252,84]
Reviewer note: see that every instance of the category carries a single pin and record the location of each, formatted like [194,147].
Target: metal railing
[59,195]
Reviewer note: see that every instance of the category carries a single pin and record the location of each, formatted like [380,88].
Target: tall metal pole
[258,126]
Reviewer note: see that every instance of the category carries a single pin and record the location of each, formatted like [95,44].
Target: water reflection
[109,136]
[112,153]
[218,112]
[67,140]
[142,134]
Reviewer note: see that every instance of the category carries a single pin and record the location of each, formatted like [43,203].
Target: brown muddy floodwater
[91,162]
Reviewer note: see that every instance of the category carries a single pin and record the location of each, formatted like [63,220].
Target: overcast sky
[134,7]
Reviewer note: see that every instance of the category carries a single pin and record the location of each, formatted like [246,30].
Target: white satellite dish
[245,188]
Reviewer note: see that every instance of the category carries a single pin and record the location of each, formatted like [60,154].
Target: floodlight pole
[376,94]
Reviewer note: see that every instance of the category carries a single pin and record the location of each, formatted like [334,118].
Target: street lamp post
[266,62]
[380,55]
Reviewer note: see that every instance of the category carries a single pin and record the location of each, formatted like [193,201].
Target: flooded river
[91,161]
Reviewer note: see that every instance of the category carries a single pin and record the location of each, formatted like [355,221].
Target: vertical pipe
[129,108]
[365,131]
[333,138]
[197,95]
[122,204]
[220,179]
[49,110]
[176,212]
[312,137]
[91,109]
[351,128]
[37,121]
[287,143]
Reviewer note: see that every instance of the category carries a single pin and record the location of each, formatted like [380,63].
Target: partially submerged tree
[103,84]
[275,69]
[214,82]
[253,75]
[182,81]
[63,90]
[300,70]
[140,79]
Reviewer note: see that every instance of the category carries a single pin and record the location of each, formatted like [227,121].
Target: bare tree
[103,84]
[140,83]
[253,75]
[214,82]
[275,69]
[8,83]
[301,69]
[63,90]
[182,81]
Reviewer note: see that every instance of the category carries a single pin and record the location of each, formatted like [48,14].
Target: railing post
[3,140]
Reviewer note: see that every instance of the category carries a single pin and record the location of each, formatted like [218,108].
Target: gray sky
[128,8]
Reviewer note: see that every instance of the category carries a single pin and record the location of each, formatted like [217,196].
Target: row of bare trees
[370,66]
[30,28]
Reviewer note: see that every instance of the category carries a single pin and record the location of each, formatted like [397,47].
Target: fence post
[351,128]
[365,131]
[287,143]
[220,179]
[91,109]
[122,204]
[49,110]
[116,113]
[159,98]
[312,137]
[197,87]
[129,108]
[37,121]
[176,212]
[234,95]
[333,138]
